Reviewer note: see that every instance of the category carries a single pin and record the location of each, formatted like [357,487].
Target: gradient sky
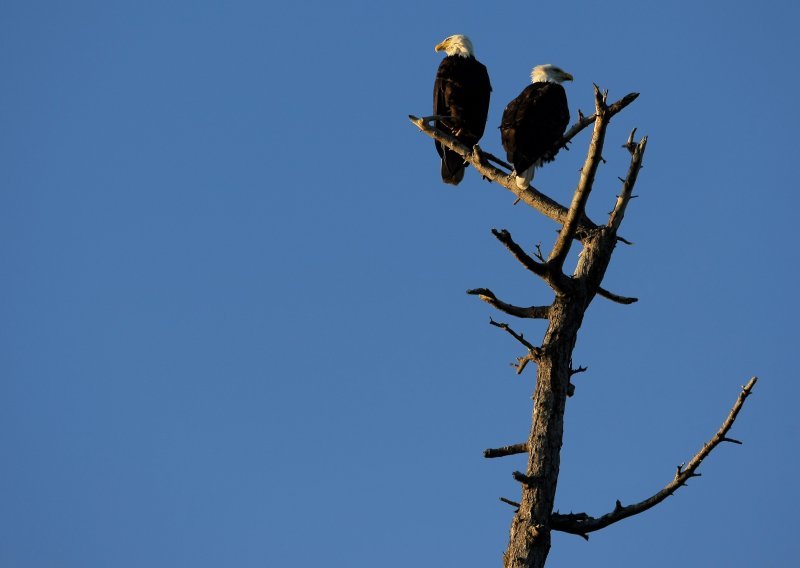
[233,328]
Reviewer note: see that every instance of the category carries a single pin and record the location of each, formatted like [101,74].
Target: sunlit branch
[582,524]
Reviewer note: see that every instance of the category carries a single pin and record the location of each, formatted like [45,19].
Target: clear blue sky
[233,328]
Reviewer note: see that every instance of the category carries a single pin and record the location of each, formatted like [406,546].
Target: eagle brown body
[461,94]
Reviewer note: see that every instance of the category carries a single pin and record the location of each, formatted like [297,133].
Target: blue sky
[233,328]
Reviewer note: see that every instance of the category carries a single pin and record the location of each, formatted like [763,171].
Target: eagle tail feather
[524,180]
[452,167]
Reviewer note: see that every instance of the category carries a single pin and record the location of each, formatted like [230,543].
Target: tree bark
[531,527]
[529,543]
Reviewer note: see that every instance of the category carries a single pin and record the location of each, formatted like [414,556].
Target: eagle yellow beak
[567,77]
[440,46]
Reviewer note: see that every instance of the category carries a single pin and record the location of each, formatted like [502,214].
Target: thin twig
[637,154]
[518,336]
[533,352]
[584,121]
[538,254]
[615,298]
[510,502]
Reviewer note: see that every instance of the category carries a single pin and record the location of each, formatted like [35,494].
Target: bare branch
[573,516]
[574,371]
[581,196]
[556,279]
[524,479]
[506,451]
[522,362]
[531,196]
[537,312]
[584,121]
[538,254]
[510,502]
[533,352]
[483,167]
[479,153]
[582,526]
[630,145]
[615,298]
[637,153]
[505,237]
[518,336]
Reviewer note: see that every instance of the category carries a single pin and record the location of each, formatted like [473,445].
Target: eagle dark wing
[532,123]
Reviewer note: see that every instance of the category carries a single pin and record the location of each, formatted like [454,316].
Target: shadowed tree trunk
[531,527]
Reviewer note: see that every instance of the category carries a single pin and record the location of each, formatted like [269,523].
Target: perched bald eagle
[534,121]
[460,93]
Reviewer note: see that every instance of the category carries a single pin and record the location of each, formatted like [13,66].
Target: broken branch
[510,502]
[506,451]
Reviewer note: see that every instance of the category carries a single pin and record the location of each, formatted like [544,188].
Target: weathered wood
[581,195]
[529,542]
[530,533]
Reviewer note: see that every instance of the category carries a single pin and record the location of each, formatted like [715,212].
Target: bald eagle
[460,93]
[534,121]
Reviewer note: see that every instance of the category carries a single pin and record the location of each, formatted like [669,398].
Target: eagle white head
[456,45]
[549,73]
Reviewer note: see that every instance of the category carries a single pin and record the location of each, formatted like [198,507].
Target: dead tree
[534,519]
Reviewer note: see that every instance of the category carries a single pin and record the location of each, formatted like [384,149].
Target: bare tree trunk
[530,530]
[529,542]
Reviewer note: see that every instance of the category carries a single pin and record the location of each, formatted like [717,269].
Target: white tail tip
[524,181]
